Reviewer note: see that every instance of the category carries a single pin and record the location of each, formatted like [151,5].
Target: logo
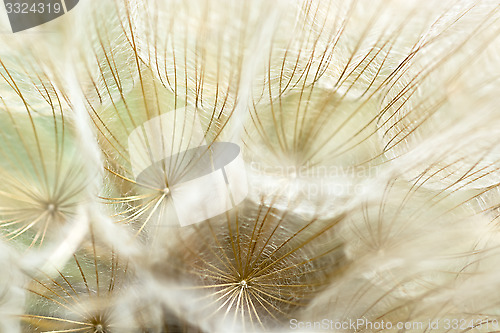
[199,180]
[26,14]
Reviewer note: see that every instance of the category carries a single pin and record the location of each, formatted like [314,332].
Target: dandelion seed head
[312,92]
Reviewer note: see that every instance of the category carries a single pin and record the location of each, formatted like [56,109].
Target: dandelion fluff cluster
[369,136]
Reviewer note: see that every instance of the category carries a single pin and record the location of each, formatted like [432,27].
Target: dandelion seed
[80,298]
[255,265]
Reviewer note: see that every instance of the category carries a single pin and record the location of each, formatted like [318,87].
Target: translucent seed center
[51,208]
